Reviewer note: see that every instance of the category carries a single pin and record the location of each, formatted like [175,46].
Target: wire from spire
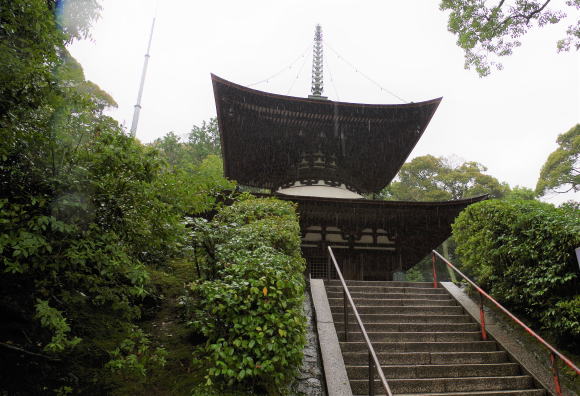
[331,79]
[357,70]
[284,69]
[297,76]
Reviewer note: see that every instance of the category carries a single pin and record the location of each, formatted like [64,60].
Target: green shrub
[250,305]
[522,252]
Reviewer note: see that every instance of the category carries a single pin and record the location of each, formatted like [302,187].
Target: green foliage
[79,240]
[31,48]
[562,168]
[195,189]
[430,178]
[134,357]
[74,17]
[205,140]
[85,213]
[250,306]
[27,58]
[522,252]
[52,319]
[192,174]
[202,141]
[486,31]
[205,390]
[414,275]
[521,193]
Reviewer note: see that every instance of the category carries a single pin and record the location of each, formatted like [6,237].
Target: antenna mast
[317,66]
[137,110]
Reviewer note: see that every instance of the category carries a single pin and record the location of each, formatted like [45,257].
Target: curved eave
[263,135]
[416,227]
[369,203]
[285,98]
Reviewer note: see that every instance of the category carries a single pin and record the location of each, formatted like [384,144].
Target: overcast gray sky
[508,121]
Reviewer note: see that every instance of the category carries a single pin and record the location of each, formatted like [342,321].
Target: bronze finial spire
[317,71]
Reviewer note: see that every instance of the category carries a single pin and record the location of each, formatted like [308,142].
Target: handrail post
[554,364]
[482,318]
[328,269]
[345,316]
[371,376]
[434,271]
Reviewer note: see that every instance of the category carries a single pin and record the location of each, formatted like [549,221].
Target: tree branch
[529,16]
[497,7]
[22,350]
[564,192]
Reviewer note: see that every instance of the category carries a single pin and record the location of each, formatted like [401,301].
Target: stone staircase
[426,343]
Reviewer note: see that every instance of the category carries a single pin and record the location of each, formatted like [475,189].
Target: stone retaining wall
[310,381]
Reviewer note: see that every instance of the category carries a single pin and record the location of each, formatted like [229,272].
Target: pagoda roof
[271,141]
[416,227]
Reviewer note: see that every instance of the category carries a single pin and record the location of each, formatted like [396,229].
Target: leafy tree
[194,189]
[173,150]
[488,29]
[430,178]
[522,252]
[521,193]
[82,214]
[80,218]
[192,180]
[31,52]
[205,140]
[561,171]
[201,142]
[74,17]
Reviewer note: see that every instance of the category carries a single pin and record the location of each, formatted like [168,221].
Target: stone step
[394,295]
[465,346]
[426,386]
[411,327]
[404,309]
[412,336]
[426,343]
[389,302]
[349,283]
[400,318]
[387,289]
[522,392]
[438,371]
[401,358]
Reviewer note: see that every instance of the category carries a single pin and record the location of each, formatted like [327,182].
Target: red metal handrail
[553,352]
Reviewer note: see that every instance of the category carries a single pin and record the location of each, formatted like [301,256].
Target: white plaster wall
[320,191]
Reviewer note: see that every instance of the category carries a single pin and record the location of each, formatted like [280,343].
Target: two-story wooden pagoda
[324,155]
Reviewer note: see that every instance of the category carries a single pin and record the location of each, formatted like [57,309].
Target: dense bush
[523,253]
[86,212]
[250,304]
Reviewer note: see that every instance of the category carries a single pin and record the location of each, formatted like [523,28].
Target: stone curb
[337,383]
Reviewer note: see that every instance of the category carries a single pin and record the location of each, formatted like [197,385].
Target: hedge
[522,252]
[250,304]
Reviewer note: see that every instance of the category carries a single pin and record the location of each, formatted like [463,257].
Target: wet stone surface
[309,381]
